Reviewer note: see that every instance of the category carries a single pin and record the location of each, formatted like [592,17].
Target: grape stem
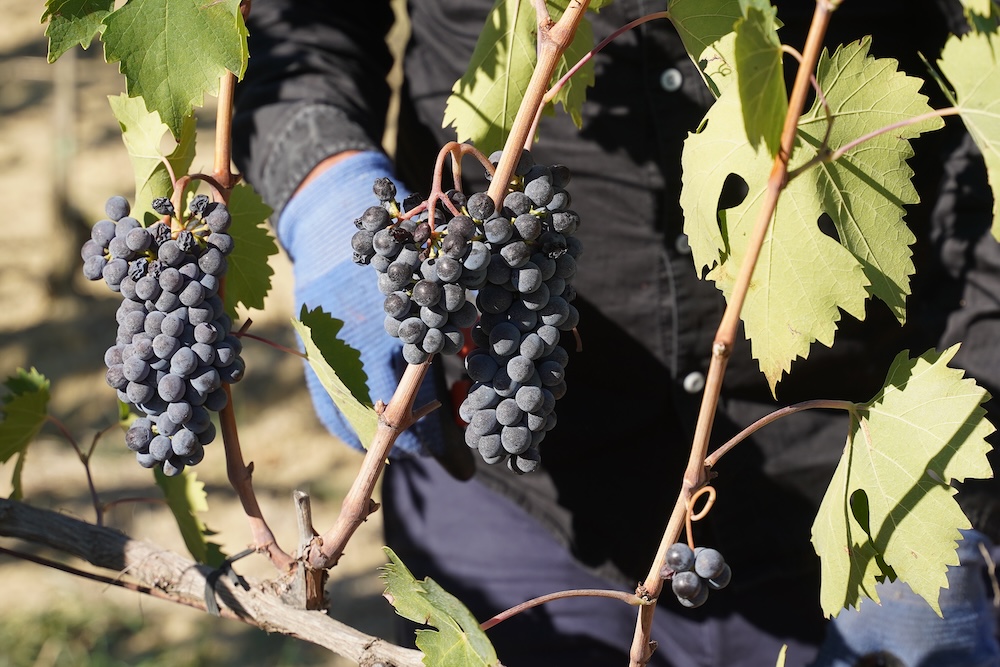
[239,473]
[558,85]
[85,460]
[696,474]
[819,404]
[628,598]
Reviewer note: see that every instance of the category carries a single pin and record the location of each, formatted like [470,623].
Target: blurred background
[61,157]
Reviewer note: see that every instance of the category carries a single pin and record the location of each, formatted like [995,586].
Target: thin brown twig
[628,598]
[267,341]
[557,86]
[818,404]
[85,460]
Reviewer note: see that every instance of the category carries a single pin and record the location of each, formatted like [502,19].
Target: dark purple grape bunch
[693,573]
[174,348]
[425,274]
[518,367]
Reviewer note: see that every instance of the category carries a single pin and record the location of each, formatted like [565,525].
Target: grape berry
[693,573]
[519,257]
[174,348]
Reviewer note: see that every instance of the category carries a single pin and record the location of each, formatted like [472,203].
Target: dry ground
[57,134]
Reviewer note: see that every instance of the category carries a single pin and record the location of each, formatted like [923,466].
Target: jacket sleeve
[315,86]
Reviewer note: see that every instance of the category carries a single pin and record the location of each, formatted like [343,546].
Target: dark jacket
[612,466]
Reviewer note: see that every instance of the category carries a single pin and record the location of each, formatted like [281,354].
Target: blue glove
[316,229]
[905,632]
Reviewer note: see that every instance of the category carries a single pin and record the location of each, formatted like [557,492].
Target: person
[310,117]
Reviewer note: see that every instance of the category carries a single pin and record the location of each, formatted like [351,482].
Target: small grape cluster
[518,366]
[423,273]
[174,348]
[520,259]
[693,573]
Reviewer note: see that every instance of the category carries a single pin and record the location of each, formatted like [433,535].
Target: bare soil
[59,141]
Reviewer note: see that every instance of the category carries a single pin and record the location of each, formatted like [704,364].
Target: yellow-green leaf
[803,278]
[706,29]
[972,68]
[456,640]
[142,133]
[328,356]
[23,412]
[484,102]
[186,498]
[890,510]
[760,77]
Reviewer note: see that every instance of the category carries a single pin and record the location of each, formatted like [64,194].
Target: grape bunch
[519,258]
[423,273]
[174,348]
[693,573]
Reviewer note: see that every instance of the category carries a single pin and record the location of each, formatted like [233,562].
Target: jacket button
[682,245]
[671,80]
[694,382]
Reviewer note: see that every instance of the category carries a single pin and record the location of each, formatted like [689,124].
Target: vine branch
[181,580]
[394,418]
[695,475]
[628,598]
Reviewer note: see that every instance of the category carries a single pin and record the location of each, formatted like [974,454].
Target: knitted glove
[315,229]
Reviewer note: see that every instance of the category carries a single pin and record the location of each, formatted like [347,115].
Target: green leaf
[574,93]
[171,59]
[73,22]
[890,510]
[23,412]
[760,77]
[804,278]
[186,497]
[456,640]
[143,133]
[329,357]
[970,63]
[483,103]
[248,278]
[485,100]
[706,29]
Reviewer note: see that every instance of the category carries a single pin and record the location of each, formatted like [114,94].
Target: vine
[777,143]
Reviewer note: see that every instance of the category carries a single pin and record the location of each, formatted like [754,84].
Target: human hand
[315,229]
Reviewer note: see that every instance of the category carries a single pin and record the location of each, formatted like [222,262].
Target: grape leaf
[350,397]
[706,29]
[456,640]
[574,92]
[23,412]
[485,100]
[248,278]
[186,497]
[171,59]
[971,65]
[760,77]
[73,22]
[804,278]
[926,427]
[142,133]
